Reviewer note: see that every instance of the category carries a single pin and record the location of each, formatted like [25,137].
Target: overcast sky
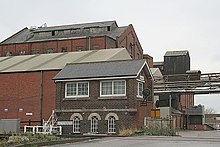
[161,25]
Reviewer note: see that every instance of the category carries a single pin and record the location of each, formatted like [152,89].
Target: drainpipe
[60,94]
[41,97]
[170,103]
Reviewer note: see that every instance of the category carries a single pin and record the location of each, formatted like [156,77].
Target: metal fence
[43,130]
[9,125]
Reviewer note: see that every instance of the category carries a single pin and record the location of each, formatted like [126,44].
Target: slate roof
[56,61]
[81,25]
[29,35]
[101,69]
[176,53]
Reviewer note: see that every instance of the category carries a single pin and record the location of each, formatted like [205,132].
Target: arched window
[76,124]
[111,125]
[94,125]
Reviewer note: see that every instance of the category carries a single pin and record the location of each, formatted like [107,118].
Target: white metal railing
[49,127]
[29,129]
[43,130]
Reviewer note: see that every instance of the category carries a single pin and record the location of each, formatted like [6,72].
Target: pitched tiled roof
[56,61]
[32,35]
[101,69]
[76,26]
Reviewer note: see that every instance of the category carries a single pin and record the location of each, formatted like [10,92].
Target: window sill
[76,133]
[77,98]
[112,97]
[111,133]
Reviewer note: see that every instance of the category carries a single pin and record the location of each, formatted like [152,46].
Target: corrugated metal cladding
[176,63]
[57,61]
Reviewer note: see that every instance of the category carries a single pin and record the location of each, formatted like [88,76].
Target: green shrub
[157,131]
[127,132]
[27,138]
[3,142]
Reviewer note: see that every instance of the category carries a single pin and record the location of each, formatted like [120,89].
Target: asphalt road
[187,140]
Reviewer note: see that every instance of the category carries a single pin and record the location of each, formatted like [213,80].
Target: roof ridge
[14,34]
[105,61]
[75,24]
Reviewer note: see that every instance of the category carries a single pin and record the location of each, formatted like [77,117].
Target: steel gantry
[188,83]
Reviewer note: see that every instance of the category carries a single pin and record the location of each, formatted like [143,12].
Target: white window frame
[111,124]
[138,89]
[112,81]
[94,125]
[76,124]
[77,95]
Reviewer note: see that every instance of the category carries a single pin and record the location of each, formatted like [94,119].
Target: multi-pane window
[76,125]
[140,89]
[119,87]
[94,125]
[77,89]
[106,88]
[111,125]
[113,88]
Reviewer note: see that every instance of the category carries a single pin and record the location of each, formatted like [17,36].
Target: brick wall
[121,106]
[22,91]
[126,121]
[197,127]
[149,60]
[71,45]
[129,40]
[186,100]
[94,101]
[82,44]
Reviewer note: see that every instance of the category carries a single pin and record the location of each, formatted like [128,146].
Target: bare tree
[210,110]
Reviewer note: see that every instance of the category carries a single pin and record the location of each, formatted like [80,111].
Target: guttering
[92,79]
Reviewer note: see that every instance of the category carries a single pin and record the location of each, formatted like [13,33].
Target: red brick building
[103,97]
[70,38]
[27,90]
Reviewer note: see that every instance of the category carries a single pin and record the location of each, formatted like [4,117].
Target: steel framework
[188,83]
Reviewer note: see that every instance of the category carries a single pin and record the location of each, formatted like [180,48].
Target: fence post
[60,130]
[33,130]
[145,121]
[25,129]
